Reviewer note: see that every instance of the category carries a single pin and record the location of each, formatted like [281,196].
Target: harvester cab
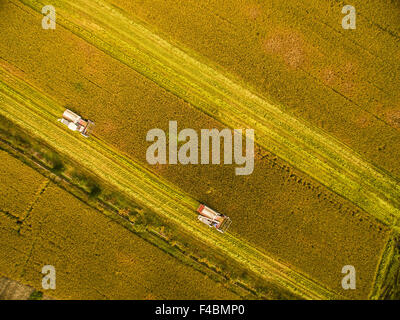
[74,122]
[213,218]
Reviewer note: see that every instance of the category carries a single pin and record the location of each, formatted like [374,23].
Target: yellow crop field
[323,157]
[345,82]
[325,189]
[136,182]
[95,257]
[23,187]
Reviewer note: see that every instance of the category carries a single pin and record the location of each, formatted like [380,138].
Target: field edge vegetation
[142,222]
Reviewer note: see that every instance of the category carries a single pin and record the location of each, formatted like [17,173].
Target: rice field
[328,73]
[94,257]
[24,186]
[309,212]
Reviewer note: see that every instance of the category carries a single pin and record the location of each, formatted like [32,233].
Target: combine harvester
[213,218]
[74,122]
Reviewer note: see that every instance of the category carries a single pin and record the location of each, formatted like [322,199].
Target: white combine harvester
[213,218]
[74,122]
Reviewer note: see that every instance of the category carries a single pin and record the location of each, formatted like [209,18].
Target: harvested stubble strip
[321,156]
[305,262]
[343,81]
[94,257]
[36,113]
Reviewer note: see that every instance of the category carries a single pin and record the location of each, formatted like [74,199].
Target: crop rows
[92,254]
[322,157]
[283,230]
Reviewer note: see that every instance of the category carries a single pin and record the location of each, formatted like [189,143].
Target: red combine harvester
[74,122]
[213,218]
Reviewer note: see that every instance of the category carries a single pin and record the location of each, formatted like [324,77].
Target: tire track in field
[37,114]
[309,149]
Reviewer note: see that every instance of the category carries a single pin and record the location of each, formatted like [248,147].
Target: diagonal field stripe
[309,149]
[37,114]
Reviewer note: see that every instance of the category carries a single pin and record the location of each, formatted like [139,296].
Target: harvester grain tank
[213,218]
[74,122]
